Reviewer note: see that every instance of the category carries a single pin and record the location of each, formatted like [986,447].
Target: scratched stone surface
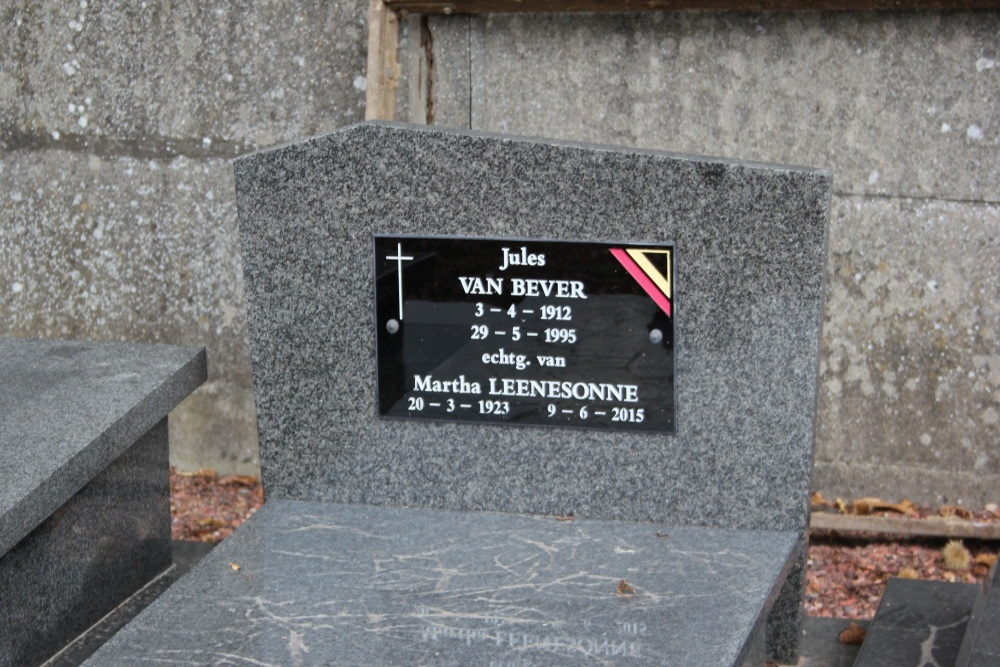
[749,283]
[321,583]
[918,623]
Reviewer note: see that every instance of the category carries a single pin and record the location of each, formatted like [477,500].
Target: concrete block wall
[904,107]
[118,122]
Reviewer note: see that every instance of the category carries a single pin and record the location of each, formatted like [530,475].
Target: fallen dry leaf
[865,506]
[955,511]
[207,508]
[235,566]
[625,588]
[989,560]
[905,507]
[817,500]
[852,635]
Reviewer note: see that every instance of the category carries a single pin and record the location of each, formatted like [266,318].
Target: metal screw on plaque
[655,336]
[392,326]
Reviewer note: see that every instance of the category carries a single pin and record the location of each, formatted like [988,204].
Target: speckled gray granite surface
[69,408]
[750,243]
[328,584]
[749,273]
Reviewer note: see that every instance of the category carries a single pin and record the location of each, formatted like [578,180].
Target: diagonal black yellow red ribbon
[656,283]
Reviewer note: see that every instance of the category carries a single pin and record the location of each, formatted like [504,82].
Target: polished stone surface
[68,409]
[750,243]
[106,542]
[918,624]
[324,583]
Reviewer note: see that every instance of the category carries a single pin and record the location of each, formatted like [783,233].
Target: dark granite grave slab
[750,244]
[324,583]
[184,556]
[981,644]
[918,623]
[102,545]
[85,503]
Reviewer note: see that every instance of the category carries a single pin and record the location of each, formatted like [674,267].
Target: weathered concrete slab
[209,79]
[143,250]
[902,107]
[125,115]
[322,583]
[896,103]
[910,373]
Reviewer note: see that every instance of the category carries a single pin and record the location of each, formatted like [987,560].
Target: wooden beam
[904,527]
[383,62]
[539,6]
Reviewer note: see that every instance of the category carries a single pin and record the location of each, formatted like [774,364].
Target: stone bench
[85,499]
[388,539]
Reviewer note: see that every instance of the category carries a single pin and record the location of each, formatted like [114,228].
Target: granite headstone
[724,476]
[750,241]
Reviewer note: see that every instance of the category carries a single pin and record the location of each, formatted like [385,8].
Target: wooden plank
[538,6]
[904,527]
[383,62]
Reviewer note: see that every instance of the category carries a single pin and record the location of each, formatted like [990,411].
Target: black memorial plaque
[552,333]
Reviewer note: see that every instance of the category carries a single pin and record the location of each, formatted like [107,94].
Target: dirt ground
[846,574]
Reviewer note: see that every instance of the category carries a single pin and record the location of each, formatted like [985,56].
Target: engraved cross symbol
[399,258]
